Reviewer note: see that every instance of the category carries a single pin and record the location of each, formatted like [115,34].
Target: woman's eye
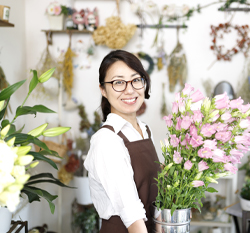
[136,80]
[118,82]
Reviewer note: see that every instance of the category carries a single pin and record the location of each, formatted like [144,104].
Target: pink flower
[226,116]
[186,122]
[57,10]
[230,120]
[236,103]
[242,140]
[208,130]
[223,136]
[187,89]
[213,119]
[175,108]
[236,155]
[221,101]
[242,148]
[197,96]
[177,96]
[230,167]
[188,165]
[174,141]
[168,120]
[202,165]
[197,117]
[197,183]
[196,141]
[193,130]
[177,157]
[211,144]
[244,108]
[220,127]
[205,153]
[244,123]
[219,156]
[181,105]
[178,124]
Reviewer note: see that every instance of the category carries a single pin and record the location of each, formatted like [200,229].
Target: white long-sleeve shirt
[111,177]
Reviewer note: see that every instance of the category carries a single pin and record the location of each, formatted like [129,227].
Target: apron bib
[143,156]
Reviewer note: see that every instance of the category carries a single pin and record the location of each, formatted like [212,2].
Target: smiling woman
[121,159]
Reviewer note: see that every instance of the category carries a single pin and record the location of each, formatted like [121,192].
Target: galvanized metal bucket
[163,222]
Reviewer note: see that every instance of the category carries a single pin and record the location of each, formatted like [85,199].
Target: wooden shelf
[5,24]
[68,31]
[210,223]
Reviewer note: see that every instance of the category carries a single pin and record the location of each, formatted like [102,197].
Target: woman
[121,159]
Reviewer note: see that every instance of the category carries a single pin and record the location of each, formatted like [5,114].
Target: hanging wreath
[149,59]
[242,45]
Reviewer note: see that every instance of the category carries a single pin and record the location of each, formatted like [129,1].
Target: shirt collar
[117,122]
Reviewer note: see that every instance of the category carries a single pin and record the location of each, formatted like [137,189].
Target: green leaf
[7,92]
[171,171]
[42,108]
[40,157]
[31,196]
[34,81]
[20,130]
[4,109]
[25,110]
[51,152]
[174,206]
[211,190]
[4,123]
[12,129]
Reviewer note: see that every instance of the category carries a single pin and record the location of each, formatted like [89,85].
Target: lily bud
[168,167]
[2,105]
[55,131]
[23,150]
[46,76]
[198,176]
[210,179]
[162,146]
[219,175]
[34,164]
[5,130]
[38,131]
[24,159]
[207,104]
[11,141]
[14,187]
[22,179]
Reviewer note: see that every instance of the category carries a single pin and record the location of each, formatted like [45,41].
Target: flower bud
[188,105]
[246,114]
[34,164]
[14,188]
[162,146]
[213,114]
[176,184]
[24,159]
[5,130]
[198,176]
[168,167]
[168,187]
[219,175]
[210,179]
[2,105]
[11,141]
[46,76]
[207,104]
[55,131]
[23,150]
[38,131]
[236,114]
[22,179]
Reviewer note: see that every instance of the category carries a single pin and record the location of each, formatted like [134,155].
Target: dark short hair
[132,61]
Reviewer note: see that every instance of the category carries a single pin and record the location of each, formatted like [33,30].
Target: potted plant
[204,143]
[56,15]
[16,157]
[245,196]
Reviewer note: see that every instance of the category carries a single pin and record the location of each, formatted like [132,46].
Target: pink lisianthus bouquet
[56,9]
[202,146]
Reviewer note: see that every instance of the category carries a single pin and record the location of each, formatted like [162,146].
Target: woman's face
[127,102]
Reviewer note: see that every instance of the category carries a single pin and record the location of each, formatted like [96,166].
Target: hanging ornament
[164,109]
[147,58]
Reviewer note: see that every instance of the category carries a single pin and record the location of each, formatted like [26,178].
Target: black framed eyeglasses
[121,85]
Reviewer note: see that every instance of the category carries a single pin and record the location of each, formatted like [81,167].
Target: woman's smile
[129,101]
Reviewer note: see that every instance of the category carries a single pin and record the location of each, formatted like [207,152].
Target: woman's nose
[129,89]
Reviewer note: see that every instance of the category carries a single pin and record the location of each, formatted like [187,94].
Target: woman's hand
[138,227]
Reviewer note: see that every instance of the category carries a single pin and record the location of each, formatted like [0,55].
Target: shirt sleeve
[114,171]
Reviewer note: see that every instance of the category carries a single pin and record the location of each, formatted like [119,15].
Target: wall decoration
[164,109]
[223,87]
[79,19]
[68,69]
[91,19]
[242,44]
[146,57]
[208,86]
[177,67]
[115,34]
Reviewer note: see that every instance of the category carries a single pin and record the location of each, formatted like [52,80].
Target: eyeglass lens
[120,85]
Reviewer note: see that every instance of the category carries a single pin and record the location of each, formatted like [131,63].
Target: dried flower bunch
[16,156]
[242,44]
[202,146]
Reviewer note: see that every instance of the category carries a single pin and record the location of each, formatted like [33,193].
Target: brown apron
[143,156]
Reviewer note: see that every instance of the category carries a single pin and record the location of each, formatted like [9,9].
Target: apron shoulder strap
[119,133]
[148,131]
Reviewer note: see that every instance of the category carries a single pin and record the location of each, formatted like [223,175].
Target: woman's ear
[103,91]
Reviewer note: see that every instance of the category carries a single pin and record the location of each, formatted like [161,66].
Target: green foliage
[30,188]
[245,191]
[246,167]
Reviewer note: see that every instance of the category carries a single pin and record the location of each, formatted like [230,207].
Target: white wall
[22,53]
